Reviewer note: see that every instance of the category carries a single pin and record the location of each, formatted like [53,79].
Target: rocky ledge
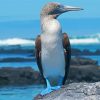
[74,91]
[19,76]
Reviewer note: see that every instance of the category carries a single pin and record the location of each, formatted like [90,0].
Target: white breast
[52,54]
[51,27]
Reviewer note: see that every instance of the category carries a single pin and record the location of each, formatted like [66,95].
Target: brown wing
[38,53]
[67,52]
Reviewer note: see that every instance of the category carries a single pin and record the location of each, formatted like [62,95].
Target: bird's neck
[46,18]
[50,25]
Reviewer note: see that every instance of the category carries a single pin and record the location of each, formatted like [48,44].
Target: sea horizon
[31,28]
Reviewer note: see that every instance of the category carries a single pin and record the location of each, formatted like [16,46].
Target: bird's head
[54,9]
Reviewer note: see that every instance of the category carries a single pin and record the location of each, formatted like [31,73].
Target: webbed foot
[46,91]
[55,87]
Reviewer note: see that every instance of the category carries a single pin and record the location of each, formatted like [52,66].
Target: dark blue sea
[20,93]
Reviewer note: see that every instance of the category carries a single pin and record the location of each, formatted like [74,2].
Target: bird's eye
[58,6]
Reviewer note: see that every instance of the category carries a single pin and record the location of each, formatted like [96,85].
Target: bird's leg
[60,83]
[48,89]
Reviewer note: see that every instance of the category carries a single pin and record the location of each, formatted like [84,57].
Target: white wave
[85,41]
[92,39]
[16,41]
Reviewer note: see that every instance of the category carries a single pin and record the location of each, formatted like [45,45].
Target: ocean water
[90,47]
[20,93]
[31,28]
[20,64]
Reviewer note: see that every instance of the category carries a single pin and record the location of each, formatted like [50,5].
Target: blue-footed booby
[53,51]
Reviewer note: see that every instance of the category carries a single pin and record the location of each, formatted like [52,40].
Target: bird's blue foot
[46,91]
[55,87]
[50,89]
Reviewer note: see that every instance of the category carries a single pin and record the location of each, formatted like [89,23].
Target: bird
[52,47]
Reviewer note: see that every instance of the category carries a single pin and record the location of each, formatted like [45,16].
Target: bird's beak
[70,8]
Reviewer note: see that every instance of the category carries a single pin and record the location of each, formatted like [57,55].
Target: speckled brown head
[55,9]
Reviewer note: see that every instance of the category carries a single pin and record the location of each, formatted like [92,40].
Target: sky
[21,18]
[30,9]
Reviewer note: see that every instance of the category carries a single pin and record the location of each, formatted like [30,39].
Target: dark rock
[78,52]
[74,91]
[19,76]
[75,51]
[17,59]
[97,52]
[87,52]
[87,73]
[17,49]
[83,61]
